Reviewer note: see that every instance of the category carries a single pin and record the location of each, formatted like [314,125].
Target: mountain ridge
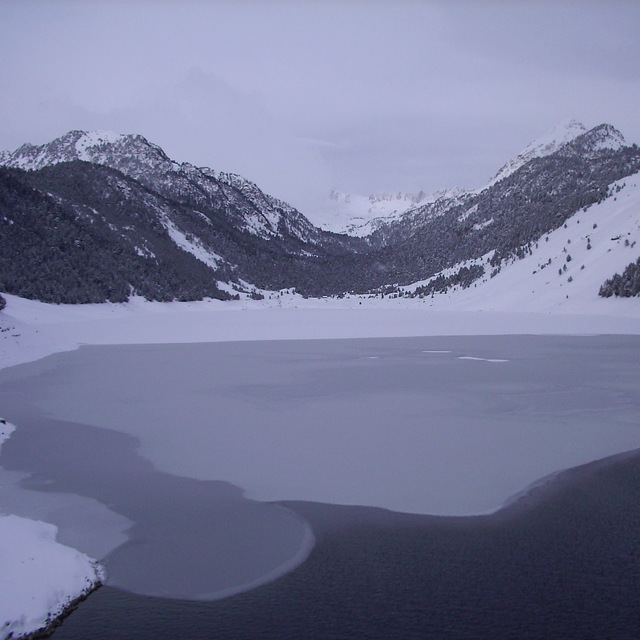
[125,194]
[362,215]
[136,157]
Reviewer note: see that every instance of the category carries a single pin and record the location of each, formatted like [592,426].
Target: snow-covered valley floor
[595,403]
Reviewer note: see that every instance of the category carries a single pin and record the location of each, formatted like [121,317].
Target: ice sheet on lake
[324,421]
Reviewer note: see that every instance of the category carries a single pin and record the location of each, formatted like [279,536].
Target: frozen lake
[175,433]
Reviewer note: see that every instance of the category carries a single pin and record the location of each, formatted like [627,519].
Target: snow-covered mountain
[239,200]
[564,269]
[358,215]
[182,231]
[543,146]
[547,182]
[99,216]
[602,137]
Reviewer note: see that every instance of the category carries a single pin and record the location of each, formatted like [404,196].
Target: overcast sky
[302,96]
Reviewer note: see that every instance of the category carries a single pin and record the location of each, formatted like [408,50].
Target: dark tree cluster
[626,285]
[464,278]
[57,249]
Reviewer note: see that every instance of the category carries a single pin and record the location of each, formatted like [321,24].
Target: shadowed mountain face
[92,217]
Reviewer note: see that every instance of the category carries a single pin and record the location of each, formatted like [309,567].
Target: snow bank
[40,579]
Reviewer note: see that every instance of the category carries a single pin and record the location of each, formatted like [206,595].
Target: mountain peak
[604,136]
[560,135]
[563,133]
[90,146]
[145,162]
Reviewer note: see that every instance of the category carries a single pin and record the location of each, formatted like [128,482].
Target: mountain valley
[95,216]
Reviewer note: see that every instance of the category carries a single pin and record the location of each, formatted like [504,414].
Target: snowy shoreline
[31,330]
[48,579]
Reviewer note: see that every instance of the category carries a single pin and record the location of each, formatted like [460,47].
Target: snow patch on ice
[6,429]
[39,577]
[482,359]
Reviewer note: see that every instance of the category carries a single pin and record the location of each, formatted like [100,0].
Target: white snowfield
[38,576]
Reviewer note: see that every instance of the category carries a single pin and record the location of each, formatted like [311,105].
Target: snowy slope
[360,215]
[567,266]
[601,137]
[76,145]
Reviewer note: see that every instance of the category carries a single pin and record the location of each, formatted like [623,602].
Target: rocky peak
[600,138]
[545,145]
[119,151]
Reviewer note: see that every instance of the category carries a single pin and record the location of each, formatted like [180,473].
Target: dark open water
[563,564]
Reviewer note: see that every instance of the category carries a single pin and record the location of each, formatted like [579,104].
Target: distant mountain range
[361,215]
[95,216]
